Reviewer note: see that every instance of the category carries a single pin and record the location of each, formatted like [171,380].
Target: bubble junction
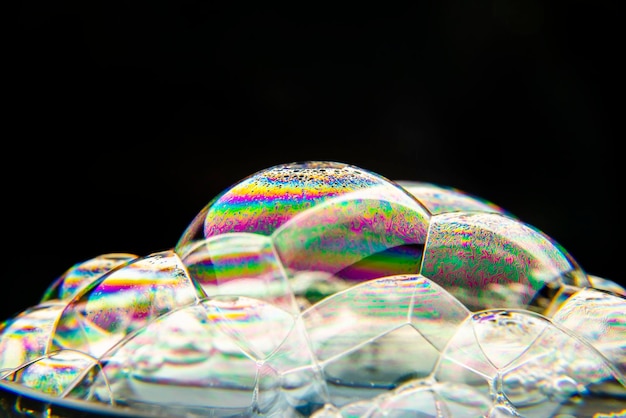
[323,289]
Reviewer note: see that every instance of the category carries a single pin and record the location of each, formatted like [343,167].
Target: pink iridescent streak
[262,214]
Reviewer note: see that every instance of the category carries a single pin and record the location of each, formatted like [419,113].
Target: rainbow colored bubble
[322,289]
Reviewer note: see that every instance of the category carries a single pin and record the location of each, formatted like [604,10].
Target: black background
[126,119]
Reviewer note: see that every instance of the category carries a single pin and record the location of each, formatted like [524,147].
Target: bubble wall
[321,289]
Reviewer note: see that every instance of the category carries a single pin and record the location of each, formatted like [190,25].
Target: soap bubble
[324,289]
[486,256]
[84,273]
[318,218]
[602,283]
[228,263]
[499,363]
[122,301]
[333,225]
[487,259]
[418,398]
[599,317]
[223,354]
[395,325]
[444,199]
[525,362]
[27,336]
[53,373]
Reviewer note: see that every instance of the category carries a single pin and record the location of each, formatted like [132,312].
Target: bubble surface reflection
[321,289]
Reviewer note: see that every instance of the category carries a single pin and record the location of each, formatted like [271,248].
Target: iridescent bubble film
[488,259]
[603,326]
[84,273]
[442,199]
[322,289]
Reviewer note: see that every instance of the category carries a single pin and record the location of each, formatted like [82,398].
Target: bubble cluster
[321,289]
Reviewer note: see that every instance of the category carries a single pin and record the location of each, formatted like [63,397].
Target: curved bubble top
[82,274]
[486,258]
[443,199]
[269,199]
[322,218]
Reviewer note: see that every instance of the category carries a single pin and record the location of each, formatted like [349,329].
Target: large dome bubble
[317,222]
[323,289]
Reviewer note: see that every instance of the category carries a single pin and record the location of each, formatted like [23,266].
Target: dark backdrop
[126,119]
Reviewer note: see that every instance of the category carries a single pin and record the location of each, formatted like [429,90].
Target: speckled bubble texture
[322,289]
